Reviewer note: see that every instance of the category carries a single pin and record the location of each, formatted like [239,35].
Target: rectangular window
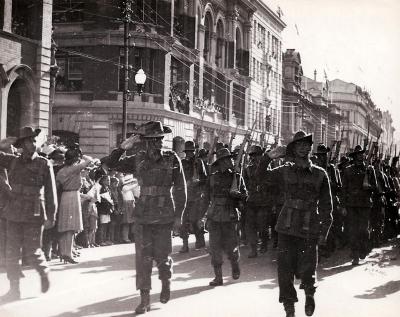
[75,68]
[254,68]
[255,32]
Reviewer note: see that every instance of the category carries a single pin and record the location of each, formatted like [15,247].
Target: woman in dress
[69,181]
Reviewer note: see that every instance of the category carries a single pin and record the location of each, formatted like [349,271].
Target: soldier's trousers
[359,230]
[152,242]
[297,257]
[256,222]
[223,237]
[3,239]
[27,236]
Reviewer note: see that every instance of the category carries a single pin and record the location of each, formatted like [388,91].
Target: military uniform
[303,221]
[155,211]
[196,181]
[358,185]
[34,200]
[259,202]
[223,217]
[161,204]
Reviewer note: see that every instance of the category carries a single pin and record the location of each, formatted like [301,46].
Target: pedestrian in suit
[159,208]
[31,208]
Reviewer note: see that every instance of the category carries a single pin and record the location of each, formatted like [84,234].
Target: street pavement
[103,284]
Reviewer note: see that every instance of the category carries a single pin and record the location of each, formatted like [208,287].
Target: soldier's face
[154,144]
[189,154]
[302,149]
[322,159]
[29,145]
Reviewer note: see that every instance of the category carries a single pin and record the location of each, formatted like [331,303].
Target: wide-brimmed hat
[223,153]
[255,150]
[26,132]
[203,153]
[322,149]
[357,150]
[298,137]
[189,146]
[153,129]
[56,155]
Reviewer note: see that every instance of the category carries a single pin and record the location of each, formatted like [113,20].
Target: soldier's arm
[325,206]
[50,192]
[6,159]
[180,192]
[124,165]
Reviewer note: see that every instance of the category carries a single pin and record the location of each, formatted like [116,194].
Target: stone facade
[307,104]
[25,43]
[265,106]
[197,70]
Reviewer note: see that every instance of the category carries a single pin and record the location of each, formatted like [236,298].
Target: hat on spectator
[26,132]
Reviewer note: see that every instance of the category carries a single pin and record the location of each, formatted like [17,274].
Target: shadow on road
[381,291]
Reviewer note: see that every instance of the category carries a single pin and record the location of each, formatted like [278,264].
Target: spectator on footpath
[130,192]
[104,209]
[70,212]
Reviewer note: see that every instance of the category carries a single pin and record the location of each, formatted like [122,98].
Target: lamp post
[140,76]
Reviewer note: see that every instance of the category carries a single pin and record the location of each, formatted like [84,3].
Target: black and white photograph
[196,158]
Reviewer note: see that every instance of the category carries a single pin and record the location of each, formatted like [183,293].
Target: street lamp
[140,79]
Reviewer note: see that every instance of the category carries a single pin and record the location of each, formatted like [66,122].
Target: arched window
[207,36]
[219,54]
[239,48]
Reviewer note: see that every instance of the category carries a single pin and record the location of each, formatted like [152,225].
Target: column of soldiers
[308,208]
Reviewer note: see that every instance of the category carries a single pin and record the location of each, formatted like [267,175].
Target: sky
[357,41]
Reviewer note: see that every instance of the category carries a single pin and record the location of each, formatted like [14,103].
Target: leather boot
[144,305]
[217,281]
[253,252]
[289,309]
[13,294]
[45,282]
[200,242]
[165,291]
[235,270]
[264,244]
[185,247]
[309,307]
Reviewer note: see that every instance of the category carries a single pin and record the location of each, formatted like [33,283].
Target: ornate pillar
[201,32]
[213,48]
[167,80]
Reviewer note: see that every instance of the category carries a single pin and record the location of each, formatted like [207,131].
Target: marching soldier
[31,208]
[223,214]
[259,202]
[157,212]
[196,178]
[303,222]
[336,231]
[359,183]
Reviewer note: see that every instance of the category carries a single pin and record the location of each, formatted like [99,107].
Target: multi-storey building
[307,103]
[25,43]
[265,105]
[387,138]
[195,55]
[361,118]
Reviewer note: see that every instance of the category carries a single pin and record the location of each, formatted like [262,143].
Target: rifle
[235,186]
[367,139]
[198,135]
[233,135]
[334,142]
[214,145]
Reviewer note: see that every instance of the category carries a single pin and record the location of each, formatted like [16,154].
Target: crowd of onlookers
[95,204]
